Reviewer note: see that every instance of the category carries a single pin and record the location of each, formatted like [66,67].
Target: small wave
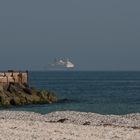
[66,100]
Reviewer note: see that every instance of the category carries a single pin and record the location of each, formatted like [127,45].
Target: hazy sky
[94,34]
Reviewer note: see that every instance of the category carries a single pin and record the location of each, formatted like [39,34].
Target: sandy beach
[55,126]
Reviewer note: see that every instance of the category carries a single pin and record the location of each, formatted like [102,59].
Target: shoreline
[68,125]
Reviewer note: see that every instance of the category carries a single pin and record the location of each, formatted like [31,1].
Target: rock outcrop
[20,94]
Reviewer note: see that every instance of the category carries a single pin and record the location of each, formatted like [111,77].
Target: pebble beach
[68,125]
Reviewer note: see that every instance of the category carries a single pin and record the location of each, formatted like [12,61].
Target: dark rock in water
[17,94]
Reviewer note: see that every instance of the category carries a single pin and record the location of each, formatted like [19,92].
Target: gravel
[93,119]
[78,118]
[22,115]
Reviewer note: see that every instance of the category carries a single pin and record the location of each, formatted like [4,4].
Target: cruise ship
[61,64]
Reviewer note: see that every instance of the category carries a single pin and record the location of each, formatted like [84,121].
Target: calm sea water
[100,92]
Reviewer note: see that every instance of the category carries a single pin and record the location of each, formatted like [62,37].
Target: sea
[104,92]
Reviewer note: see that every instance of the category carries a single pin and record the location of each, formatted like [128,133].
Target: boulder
[15,101]
[29,91]
[4,101]
[1,88]
[15,87]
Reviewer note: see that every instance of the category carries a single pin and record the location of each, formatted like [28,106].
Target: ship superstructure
[61,64]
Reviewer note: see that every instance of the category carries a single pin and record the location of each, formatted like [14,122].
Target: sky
[94,34]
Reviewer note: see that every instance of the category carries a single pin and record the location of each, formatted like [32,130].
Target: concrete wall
[13,76]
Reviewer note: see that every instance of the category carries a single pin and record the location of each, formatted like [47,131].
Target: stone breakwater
[20,94]
[68,125]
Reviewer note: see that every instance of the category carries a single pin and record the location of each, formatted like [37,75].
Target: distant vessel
[61,64]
